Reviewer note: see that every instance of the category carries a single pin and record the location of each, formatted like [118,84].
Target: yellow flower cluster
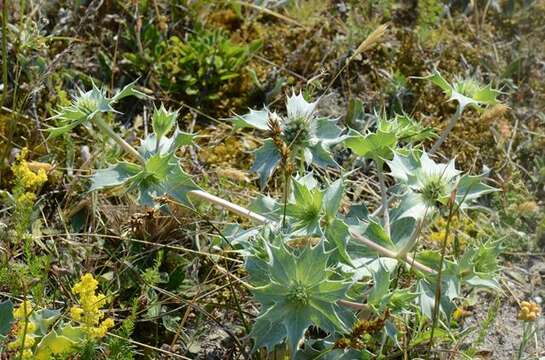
[464,225]
[24,330]
[28,179]
[88,313]
[529,311]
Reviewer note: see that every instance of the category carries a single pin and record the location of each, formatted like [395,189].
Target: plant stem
[446,131]
[286,191]
[111,133]
[437,300]
[5,4]
[384,196]
[229,206]
[392,254]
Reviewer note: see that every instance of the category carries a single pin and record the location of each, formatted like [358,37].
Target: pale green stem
[437,300]
[111,133]
[384,196]
[446,131]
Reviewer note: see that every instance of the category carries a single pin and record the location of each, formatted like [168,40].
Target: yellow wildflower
[460,313]
[76,312]
[25,329]
[28,179]
[26,199]
[88,312]
[22,312]
[529,311]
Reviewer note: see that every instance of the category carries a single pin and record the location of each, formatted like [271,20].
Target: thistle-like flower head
[466,91]
[300,129]
[86,105]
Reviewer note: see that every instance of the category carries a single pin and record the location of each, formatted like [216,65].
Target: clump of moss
[228,152]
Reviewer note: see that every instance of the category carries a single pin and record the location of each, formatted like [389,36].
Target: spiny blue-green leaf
[158,166]
[401,232]
[268,207]
[381,285]
[332,198]
[465,91]
[320,156]
[163,121]
[305,211]
[267,333]
[283,267]
[338,236]
[267,159]
[471,188]
[406,129]
[375,232]
[6,317]
[115,175]
[327,130]
[65,129]
[299,293]
[258,119]
[129,90]
[426,299]
[167,145]
[176,184]
[412,205]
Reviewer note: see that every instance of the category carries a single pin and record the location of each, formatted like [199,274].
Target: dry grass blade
[270,12]
[371,40]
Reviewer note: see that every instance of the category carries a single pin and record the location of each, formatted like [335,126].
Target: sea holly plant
[301,134]
[157,172]
[313,264]
[297,291]
[86,105]
[466,92]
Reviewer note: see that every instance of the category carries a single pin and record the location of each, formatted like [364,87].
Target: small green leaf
[163,121]
[373,146]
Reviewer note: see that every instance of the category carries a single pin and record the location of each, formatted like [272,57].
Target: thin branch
[446,131]
[229,206]
[391,254]
[384,197]
[111,133]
